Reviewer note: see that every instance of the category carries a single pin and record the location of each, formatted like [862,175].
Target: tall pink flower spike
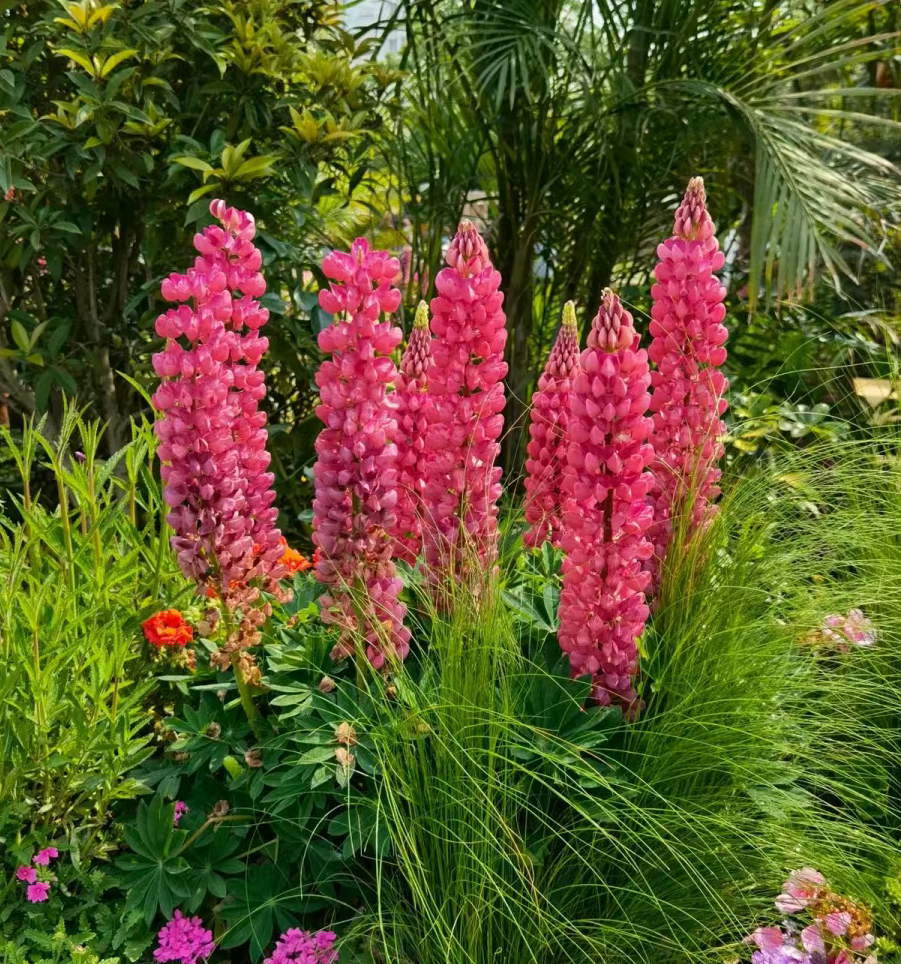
[411,400]
[212,433]
[605,511]
[355,504]
[546,451]
[466,392]
[687,401]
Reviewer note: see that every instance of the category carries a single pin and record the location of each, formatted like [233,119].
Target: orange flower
[167,628]
[292,560]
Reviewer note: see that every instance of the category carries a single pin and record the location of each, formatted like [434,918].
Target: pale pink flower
[838,922]
[767,938]
[847,631]
[812,939]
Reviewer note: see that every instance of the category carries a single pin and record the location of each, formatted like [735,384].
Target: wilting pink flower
[466,390]
[546,460]
[355,506]
[212,433]
[181,808]
[37,893]
[43,857]
[411,400]
[862,941]
[27,874]
[184,939]
[605,510]
[687,347]
[847,631]
[301,947]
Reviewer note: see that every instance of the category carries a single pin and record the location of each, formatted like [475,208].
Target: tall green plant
[77,581]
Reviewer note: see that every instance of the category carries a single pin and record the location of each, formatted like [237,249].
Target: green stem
[244,692]
[66,524]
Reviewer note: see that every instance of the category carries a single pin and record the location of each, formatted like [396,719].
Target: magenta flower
[184,939]
[301,947]
[27,874]
[605,510]
[546,462]
[38,892]
[355,505]
[212,433]
[687,402]
[847,631]
[411,400]
[466,390]
[181,808]
[43,857]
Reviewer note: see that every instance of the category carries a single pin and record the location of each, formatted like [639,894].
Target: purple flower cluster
[185,940]
[303,947]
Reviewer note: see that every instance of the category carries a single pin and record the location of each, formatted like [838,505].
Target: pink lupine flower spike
[355,505]
[605,510]
[465,381]
[687,336]
[546,460]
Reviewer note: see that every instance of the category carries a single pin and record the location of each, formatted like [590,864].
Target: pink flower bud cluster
[185,940]
[411,401]
[212,433]
[301,947]
[687,346]
[548,431]
[465,382]
[605,511]
[355,505]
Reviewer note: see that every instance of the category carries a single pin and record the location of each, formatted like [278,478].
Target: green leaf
[67,226]
[42,390]
[195,163]
[20,336]
[115,59]
[318,754]
[255,167]
[201,191]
